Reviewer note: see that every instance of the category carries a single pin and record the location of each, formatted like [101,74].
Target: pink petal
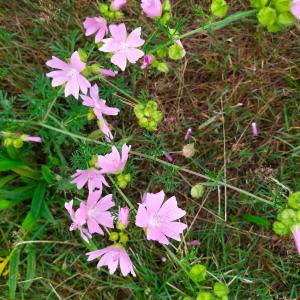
[57,63]
[94,227]
[118,32]
[104,219]
[154,202]
[90,25]
[295,9]
[94,92]
[134,54]
[125,151]
[105,203]
[173,230]
[83,83]
[100,35]
[134,38]
[142,217]
[72,88]
[156,235]
[119,59]
[81,214]
[110,45]
[87,101]
[76,62]
[125,264]
[95,254]
[93,198]
[170,211]
[58,81]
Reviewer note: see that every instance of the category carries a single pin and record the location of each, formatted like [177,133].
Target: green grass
[241,63]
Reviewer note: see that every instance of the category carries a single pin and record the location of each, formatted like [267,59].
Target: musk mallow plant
[124,48]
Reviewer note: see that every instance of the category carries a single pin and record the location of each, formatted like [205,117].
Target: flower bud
[282,5]
[198,273]
[205,296]
[166,5]
[286,19]
[8,141]
[122,183]
[123,238]
[197,191]
[163,67]
[123,216]
[188,150]
[287,216]
[280,228]
[220,290]
[103,8]
[95,69]
[166,17]
[187,298]
[175,52]
[259,3]
[219,8]
[114,236]
[93,161]
[18,143]
[294,201]
[267,16]
[86,71]
[162,52]
[83,55]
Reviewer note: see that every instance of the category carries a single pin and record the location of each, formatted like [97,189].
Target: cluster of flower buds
[274,14]
[219,8]
[17,140]
[112,12]
[198,274]
[288,220]
[123,180]
[148,115]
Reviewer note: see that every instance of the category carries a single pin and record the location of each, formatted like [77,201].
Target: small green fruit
[114,236]
[280,228]
[103,8]
[163,67]
[274,28]
[285,19]
[287,216]
[162,52]
[95,69]
[175,52]
[220,290]
[123,237]
[205,296]
[219,8]
[282,5]
[198,273]
[259,3]
[267,16]
[197,191]
[294,201]
[18,143]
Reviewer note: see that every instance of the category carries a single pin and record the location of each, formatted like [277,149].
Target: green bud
[197,191]
[114,236]
[187,298]
[120,226]
[157,116]
[266,16]
[287,216]
[87,71]
[282,5]
[259,3]
[298,215]
[123,237]
[148,112]
[294,200]
[220,290]
[83,55]
[280,229]
[111,15]
[119,15]
[152,126]
[166,5]
[166,17]
[152,104]
[274,28]
[18,143]
[8,142]
[175,52]
[93,160]
[103,8]
[91,115]
[205,296]
[162,52]
[285,19]
[127,177]
[122,183]
[198,273]
[143,122]
[219,8]
[163,67]
[95,69]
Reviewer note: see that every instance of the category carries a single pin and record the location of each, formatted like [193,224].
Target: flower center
[123,46]
[72,72]
[155,220]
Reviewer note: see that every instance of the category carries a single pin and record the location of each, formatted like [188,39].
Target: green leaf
[26,171]
[4,204]
[46,213]
[31,266]
[260,221]
[7,179]
[6,164]
[37,199]
[47,174]
[13,273]
[28,223]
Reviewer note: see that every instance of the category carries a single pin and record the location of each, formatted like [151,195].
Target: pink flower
[28,138]
[96,25]
[152,8]
[93,177]
[123,215]
[147,60]
[104,127]
[99,105]
[113,163]
[112,256]
[296,235]
[95,212]
[122,46]
[187,134]
[158,219]
[118,4]
[295,9]
[108,73]
[254,129]
[178,42]
[70,74]
[79,219]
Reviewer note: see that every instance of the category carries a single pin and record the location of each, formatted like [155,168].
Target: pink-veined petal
[133,54]
[134,38]
[120,59]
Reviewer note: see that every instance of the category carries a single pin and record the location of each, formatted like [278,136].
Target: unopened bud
[114,236]
[294,200]
[287,217]
[280,228]
[205,296]
[220,290]
[198,273]
[197,191]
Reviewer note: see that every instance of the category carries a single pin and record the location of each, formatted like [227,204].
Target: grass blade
[13,272]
